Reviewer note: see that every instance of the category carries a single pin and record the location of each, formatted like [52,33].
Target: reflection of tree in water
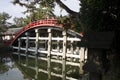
[3,68]
[5,64]
[4,57]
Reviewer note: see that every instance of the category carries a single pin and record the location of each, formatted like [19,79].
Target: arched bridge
[47,39]
[45,24]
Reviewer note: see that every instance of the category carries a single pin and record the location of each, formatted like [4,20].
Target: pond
[43,68]
[9,71]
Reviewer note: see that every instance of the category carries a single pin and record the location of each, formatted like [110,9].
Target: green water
[15,69]
[46,69]
[9,71]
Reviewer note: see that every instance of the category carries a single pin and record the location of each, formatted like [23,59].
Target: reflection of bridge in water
[45,40]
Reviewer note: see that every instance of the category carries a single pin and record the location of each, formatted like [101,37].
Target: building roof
[12,30]
[102,40]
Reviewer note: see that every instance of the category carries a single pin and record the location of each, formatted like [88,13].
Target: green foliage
[104,15]
[3,28]
[75,25]
[48,3]
[4,17]
[100,15]
[37,9]
[3,21]
[19,22]
[12,26]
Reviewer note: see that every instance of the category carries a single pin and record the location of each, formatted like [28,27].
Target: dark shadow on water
[8,69]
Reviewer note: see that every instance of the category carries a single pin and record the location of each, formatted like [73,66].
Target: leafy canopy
[97,15]
[100,15]
[3,21]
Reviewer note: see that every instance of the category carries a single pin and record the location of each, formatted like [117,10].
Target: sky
[16,10]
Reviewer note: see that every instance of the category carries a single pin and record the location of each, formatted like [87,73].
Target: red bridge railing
[42,22]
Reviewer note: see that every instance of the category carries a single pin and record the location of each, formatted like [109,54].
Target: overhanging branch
[62,5]
[71,12]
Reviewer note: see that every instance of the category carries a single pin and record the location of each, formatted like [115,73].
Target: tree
[3,21]
[94,15]
[34,9]
[19,22]
[104,15]
[100,15]
[50,5]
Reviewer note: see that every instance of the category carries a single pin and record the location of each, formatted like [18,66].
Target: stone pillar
[64,44]
[49,42]
[19,46]
[49,53]
[64,69]
[36,46]
[64,55]
[58,48]
[27,46]
[36,52]
[37,41]
[86,54]
[37,72]
[71,49]
[81,59]
[49,68]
